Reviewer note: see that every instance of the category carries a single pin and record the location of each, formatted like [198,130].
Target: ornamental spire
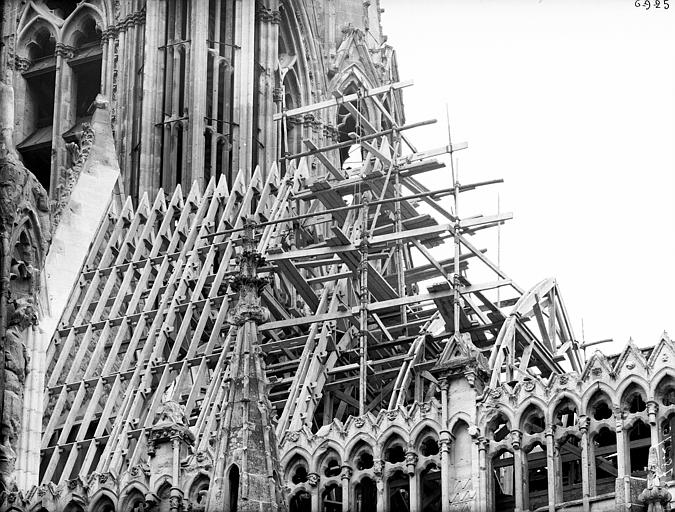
[246,474]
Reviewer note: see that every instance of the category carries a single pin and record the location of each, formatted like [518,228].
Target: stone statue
[170,413]
[655,497]
[21,316]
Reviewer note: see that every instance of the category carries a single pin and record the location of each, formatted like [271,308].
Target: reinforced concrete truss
[356,323]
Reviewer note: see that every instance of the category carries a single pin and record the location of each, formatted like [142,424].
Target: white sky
[572,102]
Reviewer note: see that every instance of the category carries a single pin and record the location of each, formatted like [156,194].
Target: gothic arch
[32,28]
[596,387]
[131,496]
[197,488]
[532,420]
[361,456]
[391,431]
[531,401]
[634,380]
[556,404]
[631,394]
[593,405]
[296,470]
[422,427]
[297,450]
[323,450]
[76,20]
[457,419]
[104,501]
[659,381]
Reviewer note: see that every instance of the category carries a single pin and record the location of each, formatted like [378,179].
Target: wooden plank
[343,99]
[337,173]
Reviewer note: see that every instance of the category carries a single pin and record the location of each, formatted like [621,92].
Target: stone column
[552,468]
[411,464]
[197,125]
[445,472]
[378,469]
[585,463]
[652,409]
[313,480]
[483,475]
[516,439]
[62,114]
[623,483]
[345,476]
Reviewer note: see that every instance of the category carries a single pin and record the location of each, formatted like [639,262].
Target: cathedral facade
[224,288]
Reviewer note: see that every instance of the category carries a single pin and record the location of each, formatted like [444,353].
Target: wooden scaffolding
[361,306]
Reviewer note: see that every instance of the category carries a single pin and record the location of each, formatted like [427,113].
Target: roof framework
[355,325]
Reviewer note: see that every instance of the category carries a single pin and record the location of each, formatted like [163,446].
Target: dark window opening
[668,396]
[429,447]
[667,430]
[537,478]
[430,481]
[38,160]
[364,461]
[42,44]
[105,505]
[499,427]
[301,502]
[87,33]
[636,403]
[399,492]
[332,468]
[346,125]
[331,498]
[36,149]
[365,495]
[87,79]
[40,99]
[602,411]
[566,415]
[503,482]
[533,422]
[640,441]
[233,480]
[570,454]
[394,454]
[300,475]
[604,450]
[62,8]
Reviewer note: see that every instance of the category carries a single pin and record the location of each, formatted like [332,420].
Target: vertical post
[516,439]
[148,181]
[585,463]
[363,312]
[242,127]
[411,463]
[199,52]
[313,480]
[456,280]
[483,475]
[445,439]
[623,483]
[652,409]
[400,276]
[176,495]
[378,471]
[345,476]
[552,472]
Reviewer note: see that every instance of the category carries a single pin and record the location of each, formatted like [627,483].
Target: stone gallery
[224,285]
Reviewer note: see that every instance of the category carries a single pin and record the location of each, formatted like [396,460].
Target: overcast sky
[572,102]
